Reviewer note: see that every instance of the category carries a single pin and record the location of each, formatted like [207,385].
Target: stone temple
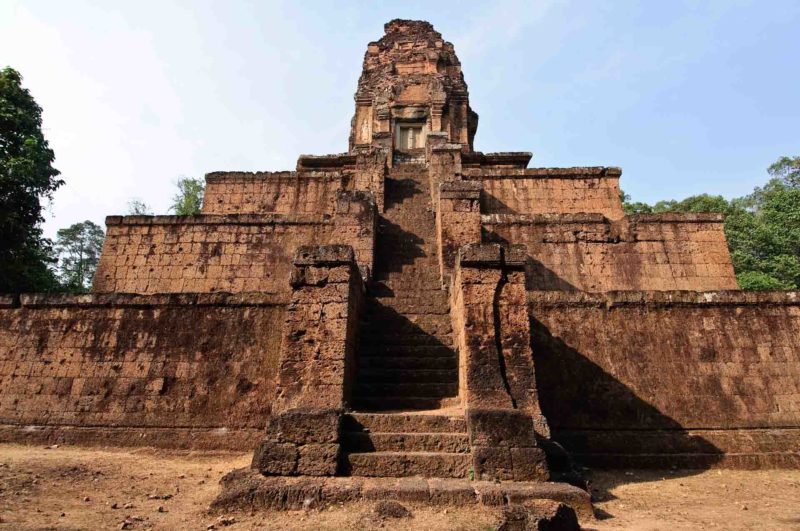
[413,308]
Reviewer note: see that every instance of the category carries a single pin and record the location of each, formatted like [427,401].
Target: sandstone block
[480,255]
[318,459]
[492,463]
[318,255]
[275,459]
[500,428]
[530,464]
[303,426]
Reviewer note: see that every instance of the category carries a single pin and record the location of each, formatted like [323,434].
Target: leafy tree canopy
[78,248]
[137,207]
[189,199]
[27,178]
[763,228]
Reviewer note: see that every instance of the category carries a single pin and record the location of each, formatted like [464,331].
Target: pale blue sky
[687,97]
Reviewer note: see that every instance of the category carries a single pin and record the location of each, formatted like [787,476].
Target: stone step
[431,390]
[407,375]
[403,403]
[391,362]
[434,296]
[399,326]
[409,307]
[404,464]
[393,284]
[382,337]
[452,443]
[416,175]
[414,351]
[404,423]
[247,490]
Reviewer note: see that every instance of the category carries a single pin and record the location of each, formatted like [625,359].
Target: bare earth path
[79,488]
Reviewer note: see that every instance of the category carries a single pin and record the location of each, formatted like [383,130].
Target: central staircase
[405,444]
[406,391]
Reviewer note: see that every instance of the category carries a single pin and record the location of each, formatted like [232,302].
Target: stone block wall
[287,192]
[643,252]
[190,370]
[549,190]
[497,383]
[231,253]
[671,378]
[317,364]
[168,254]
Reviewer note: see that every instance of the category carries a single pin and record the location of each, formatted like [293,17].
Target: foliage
[189,199]
[762,228]
[786,169]
[27,177]
[78,248]
[137,207]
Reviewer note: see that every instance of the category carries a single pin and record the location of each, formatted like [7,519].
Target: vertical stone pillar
[496,372]
[355,224]
[370,173]
[316,364]
[437,108]
[458,221]
[463,131]
[444,161]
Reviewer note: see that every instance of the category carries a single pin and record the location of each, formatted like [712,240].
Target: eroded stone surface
[246,489]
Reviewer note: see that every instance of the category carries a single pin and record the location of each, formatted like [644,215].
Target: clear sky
[687,97]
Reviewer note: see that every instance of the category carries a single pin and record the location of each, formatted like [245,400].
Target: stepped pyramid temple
[413,308]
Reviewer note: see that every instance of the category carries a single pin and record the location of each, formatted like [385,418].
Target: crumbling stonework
[412,308]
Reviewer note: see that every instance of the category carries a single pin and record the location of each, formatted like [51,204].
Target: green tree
[630,207]
[787,170]
[78,248]
[137,207]
[189,199]
[27,178]
[762,228]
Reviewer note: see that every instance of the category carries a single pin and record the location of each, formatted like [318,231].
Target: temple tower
[411,85]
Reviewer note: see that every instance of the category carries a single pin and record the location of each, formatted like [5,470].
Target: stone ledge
[217,176]
[596,218]
[492,255]
[678,217]
[121,300]
[543,219]
[460,190]
[779,446]
[333,160]
[229,177]
[323,255]
[543,173]
[514,159]
[222,219]
[447,147]
[611,299]
[217,439]
[246,489]
[690,461]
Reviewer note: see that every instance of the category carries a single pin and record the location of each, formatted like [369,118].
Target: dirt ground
[87,488]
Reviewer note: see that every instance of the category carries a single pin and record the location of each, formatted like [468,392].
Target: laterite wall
[288,192]
[628,378]
[178,370]
[588,252]
[195,254]
[549,190]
